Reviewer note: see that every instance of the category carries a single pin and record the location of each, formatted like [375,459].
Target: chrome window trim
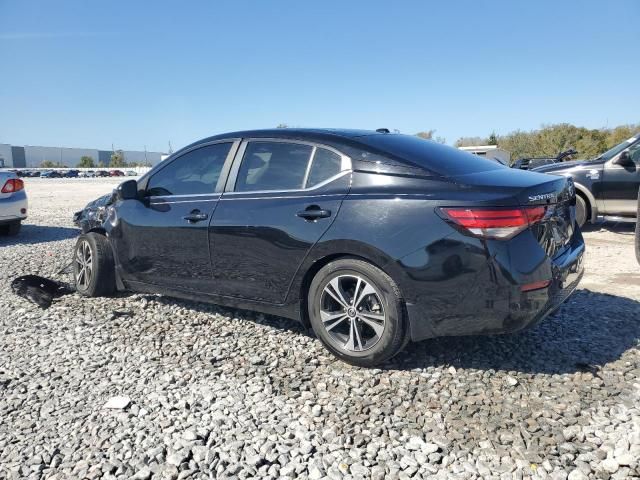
[346,166]
[235,143]
[309,164]
[294,190]
[184,201]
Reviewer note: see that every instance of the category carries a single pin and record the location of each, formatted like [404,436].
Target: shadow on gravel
[589,331]
[34,234]
[622,228]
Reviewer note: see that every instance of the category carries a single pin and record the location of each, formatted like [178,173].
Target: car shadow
[589,331]
[34,234]
[622,228]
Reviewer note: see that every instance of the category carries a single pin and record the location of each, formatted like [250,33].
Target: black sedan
[372,239]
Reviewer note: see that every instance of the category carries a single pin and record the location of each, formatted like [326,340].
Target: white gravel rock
[117,403]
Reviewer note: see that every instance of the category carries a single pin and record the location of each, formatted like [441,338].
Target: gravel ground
[141,386]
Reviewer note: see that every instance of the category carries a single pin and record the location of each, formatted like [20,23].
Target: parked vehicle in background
[102,173]
[33,173]
[638,229]
[71,173]
[131,173]
[607,186]
[51,174]
[116,173]
[13,203]
[534,162]
[372,239]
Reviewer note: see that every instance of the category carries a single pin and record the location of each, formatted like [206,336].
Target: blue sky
[89,74]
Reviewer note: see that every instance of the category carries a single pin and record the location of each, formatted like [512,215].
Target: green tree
[86,161]
[430,135]
[426,135]
[493,139]
[117,159]
[282,125]
[620,134]
[51,164]
[470,141]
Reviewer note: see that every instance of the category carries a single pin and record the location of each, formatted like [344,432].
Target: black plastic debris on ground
[39,290]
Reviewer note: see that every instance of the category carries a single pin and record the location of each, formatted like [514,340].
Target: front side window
[325,164]
[273,166]
[634,152]
[195,172]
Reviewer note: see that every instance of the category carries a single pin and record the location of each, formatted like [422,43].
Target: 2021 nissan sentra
[373,239]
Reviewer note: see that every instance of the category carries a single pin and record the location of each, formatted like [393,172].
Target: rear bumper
[13,208]
[485,295]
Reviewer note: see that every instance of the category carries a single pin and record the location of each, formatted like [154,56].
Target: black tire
[581,211]
[638,229]
[386,299]
[100,281]
[13,228]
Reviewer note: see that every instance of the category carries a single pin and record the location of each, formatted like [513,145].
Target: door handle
[313,212]
[195,216]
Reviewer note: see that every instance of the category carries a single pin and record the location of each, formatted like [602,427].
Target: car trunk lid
[556,193]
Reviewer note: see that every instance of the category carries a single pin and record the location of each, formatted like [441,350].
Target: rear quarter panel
[432,263]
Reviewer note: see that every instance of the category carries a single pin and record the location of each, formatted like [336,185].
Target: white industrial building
[28,156]
[489,151]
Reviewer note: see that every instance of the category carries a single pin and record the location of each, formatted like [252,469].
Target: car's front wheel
[93,266]
[356,311]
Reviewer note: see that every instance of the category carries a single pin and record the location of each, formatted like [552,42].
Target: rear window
[437,158]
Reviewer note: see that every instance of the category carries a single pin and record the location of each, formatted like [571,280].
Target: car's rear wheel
[93,266]
[581,211]
[356,310]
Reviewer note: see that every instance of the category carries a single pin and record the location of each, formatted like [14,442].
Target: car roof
[309,134]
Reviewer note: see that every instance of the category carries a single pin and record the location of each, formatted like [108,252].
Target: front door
[280,199]
[620,184]
[163,239]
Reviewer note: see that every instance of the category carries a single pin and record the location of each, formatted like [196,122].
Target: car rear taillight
[12,185]
[494,222]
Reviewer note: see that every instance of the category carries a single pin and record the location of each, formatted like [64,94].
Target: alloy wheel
[352,313]
[84,263]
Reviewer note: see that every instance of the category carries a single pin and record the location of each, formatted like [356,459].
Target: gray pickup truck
[607,186]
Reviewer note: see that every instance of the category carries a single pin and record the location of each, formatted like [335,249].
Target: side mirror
[127,190]
[624,159]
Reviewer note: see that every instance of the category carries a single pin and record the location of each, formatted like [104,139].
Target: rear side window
[432,156]
[273,166]
[325,164]
[195,172]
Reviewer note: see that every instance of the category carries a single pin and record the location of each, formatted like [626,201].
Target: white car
[13,203]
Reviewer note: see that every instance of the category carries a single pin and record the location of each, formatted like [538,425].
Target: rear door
[619,185]
[280,198]
[163,238]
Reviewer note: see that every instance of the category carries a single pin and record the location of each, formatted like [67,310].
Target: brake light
[494,222]
[12,185]
[529,287]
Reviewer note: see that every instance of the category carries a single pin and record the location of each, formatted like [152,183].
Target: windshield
[609,154]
